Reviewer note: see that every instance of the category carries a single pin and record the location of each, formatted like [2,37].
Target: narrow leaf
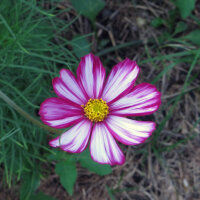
[81,46]
[193,37]
[29,185]
[88,8]
[87,162]
[185,7]
[180,27]
[41,196]
[67,173]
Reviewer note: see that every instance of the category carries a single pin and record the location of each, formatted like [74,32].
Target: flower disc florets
[96,110]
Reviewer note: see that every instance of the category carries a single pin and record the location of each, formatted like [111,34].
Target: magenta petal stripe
[59,113]
[143,100]
[91,75]
[127,131]
[121,79]
[103,148]
[74,140]
[67,87]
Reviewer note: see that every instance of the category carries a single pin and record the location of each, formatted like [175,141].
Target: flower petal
[129,132]
[103,147]
[59,113]
[74,140]
[143,100]
[91,75]
[121,80]
[67,87]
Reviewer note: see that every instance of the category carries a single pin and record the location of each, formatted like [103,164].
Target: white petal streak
[121,80]
[74,140]
[143,100]
[129,132]
[103,147]
[67,87]
[64,92]
[65,122]
[70,81]
[91,75]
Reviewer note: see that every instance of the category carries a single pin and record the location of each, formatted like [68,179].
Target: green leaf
[67,173]
[88,8]
[41,196]
[81,46]
[110,193]
[185,7]
[59,155]
[87,162]
[156,22]
[180,27]
[29,185]
[193,37]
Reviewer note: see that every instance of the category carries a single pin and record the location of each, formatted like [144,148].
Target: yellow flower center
[96,110]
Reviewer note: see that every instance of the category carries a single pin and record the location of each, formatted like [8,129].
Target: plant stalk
[26,115]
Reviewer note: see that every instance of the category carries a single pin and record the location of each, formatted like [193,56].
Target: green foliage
[28,61]
[87,162]
[185,7]
[66,164]
[110,193]
[41,196]
[58,155]
[193,37]
[80,45]
[180,27]
[67,173]
[29,184]
[157,22]
[88,8]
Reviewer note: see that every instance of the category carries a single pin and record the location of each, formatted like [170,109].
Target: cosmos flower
[98,109]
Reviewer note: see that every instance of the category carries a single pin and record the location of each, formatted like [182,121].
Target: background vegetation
[39,37]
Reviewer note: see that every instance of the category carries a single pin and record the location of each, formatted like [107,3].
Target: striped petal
[91,75]
[66,87]
[129,132]
[121,80]
[74,140]
[59,113]
[143,100]
[103,148]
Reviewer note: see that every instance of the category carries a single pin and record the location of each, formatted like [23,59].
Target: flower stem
[26,115]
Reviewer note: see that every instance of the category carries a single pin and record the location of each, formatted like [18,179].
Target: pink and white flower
[98,109]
